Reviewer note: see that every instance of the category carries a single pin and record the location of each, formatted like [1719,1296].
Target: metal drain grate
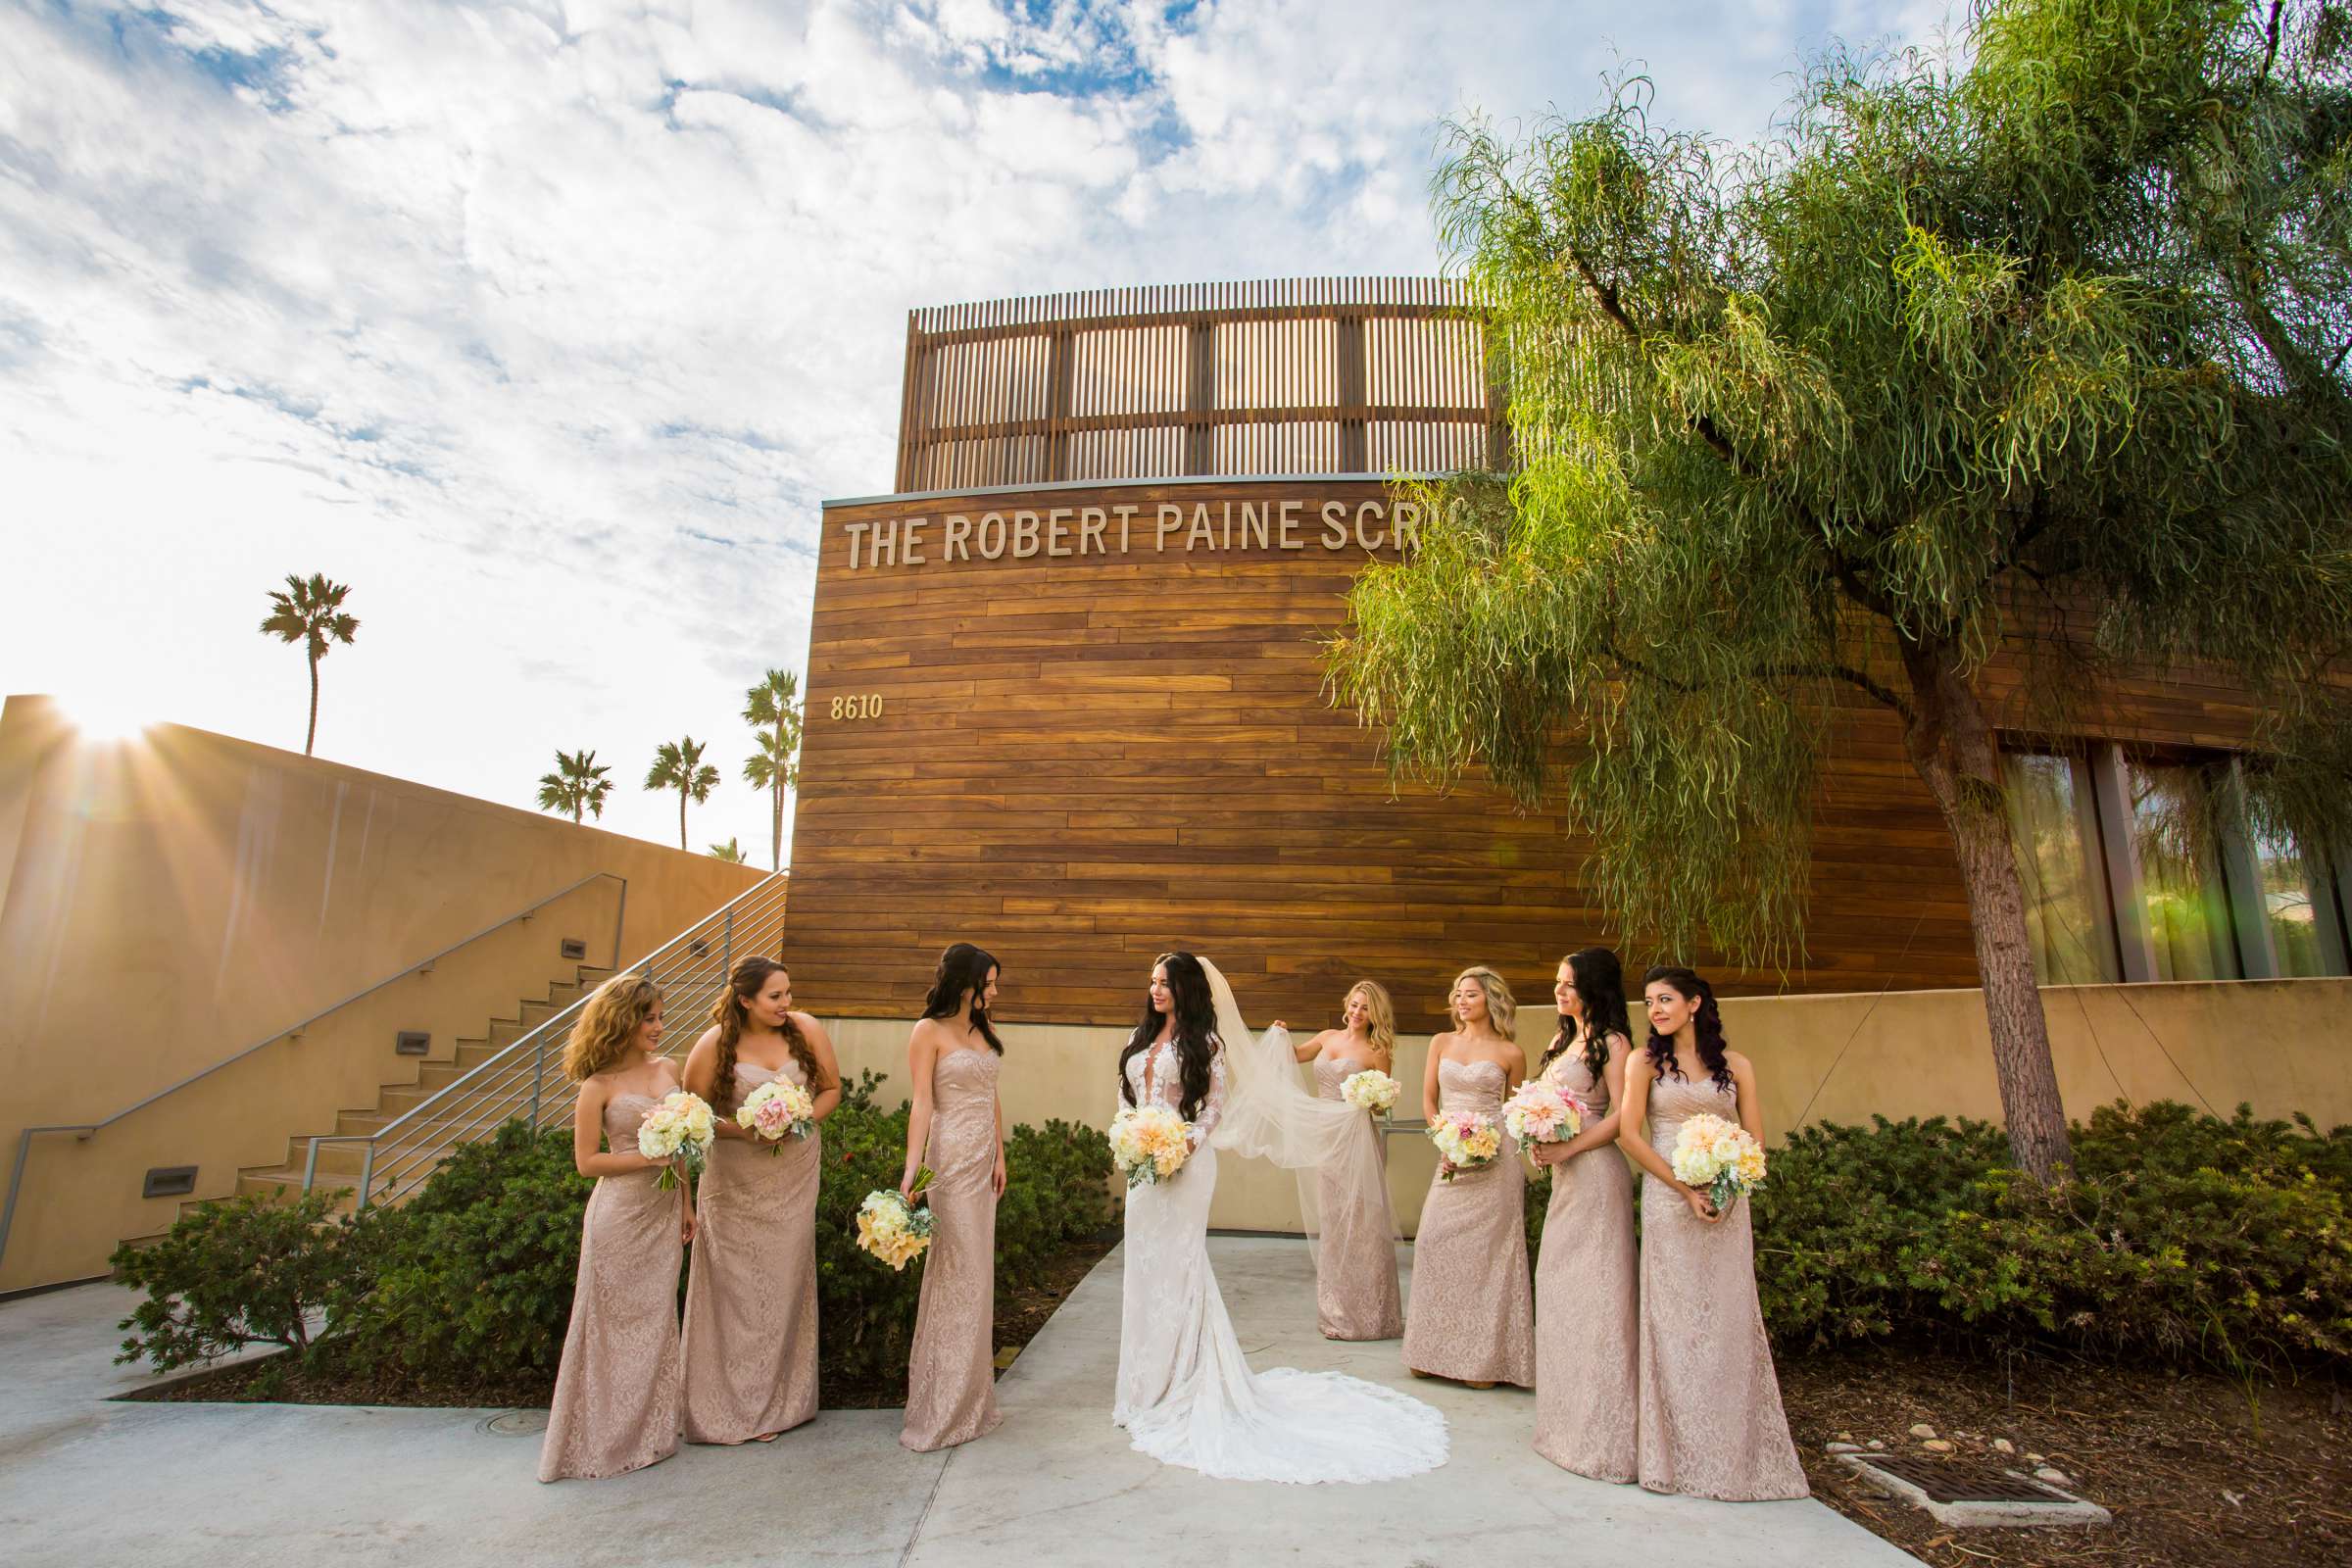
[1959,1479]
[516,1423]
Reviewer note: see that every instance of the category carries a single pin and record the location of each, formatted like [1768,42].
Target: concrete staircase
[340,1165]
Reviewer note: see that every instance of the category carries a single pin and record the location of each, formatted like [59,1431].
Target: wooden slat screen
[1311,375]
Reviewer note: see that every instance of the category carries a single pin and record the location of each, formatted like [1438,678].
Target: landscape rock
[1936,1446]
[2053,1475]
[1923,1430]
[2004,1446]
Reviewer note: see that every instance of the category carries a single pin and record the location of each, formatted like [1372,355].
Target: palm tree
[679,765]
[774,709]
[311,614]
[729,851]
[578,783]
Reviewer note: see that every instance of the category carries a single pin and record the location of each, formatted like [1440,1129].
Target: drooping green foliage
[2045,350]
[1986,379]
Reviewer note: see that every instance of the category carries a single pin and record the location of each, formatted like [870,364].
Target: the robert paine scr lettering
[1166,526]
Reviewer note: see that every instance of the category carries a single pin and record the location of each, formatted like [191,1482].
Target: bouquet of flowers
[1720,1156]
[1149,1143]
[778,1109]
[1466,1140]
[679,1127]
[1370,1089]
[1540,1111]
[891,1229]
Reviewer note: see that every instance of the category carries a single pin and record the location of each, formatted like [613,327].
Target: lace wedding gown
[1186,1395]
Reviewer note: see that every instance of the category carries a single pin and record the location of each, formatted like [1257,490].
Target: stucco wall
[169,900]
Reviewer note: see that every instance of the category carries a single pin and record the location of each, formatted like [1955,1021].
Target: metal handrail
[495,1089]
[418,1159]
[84,1131]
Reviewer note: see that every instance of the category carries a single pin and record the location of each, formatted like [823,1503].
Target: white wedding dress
[1186,1395]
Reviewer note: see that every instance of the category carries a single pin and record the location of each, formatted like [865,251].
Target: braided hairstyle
[731,1016]
[1196,1032]
[1706,1027]
[1600,982]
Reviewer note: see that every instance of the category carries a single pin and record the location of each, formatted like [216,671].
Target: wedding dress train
[1186,1395]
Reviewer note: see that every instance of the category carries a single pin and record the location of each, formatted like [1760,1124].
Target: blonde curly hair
[600,1035]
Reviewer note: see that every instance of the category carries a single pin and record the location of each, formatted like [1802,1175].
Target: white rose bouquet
[1370,1089]
[1720,1156]
[679,1127]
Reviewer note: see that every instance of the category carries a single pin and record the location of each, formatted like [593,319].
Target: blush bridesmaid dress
[951,1376]
[751,1295]
[1355,1257]
[616,1394]
[1587,1351]
[1471,1316]
[1711,1423]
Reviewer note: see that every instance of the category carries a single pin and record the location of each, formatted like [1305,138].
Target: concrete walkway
[87,1480]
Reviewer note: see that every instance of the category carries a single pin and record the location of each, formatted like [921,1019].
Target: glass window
[2056,834]
[2181,887]
[2295,904]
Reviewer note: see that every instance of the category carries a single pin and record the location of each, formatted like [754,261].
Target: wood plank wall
[1082,762]
[1281,376]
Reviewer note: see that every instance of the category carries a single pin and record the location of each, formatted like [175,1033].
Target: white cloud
[547,326]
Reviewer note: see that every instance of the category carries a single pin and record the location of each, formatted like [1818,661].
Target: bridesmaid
[751,1296]
[616,1395]
[1355,1257]
[1587,1353]
[952,1060]
[1710,1417]
[1470,1317]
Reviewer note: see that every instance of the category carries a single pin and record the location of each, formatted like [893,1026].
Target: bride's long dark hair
[1196,1031]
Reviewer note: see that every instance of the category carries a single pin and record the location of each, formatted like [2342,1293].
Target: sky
[547,327]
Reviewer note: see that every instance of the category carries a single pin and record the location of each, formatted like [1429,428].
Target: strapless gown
[1471,1316]
[951,1375]
[618,1392]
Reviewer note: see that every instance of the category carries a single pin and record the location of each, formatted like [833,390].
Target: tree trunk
[775,842]
[681,816]
[1953,747]
[311,738]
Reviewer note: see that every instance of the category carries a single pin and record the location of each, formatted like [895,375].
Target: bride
[1185,1394]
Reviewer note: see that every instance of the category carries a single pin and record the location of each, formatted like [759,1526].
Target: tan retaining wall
[2278,1045]
[167,901]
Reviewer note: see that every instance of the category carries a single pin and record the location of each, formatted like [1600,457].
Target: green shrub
[472,1278]
[2183,1238]
[1841,1206]
[865,1309]
[244,1271]
[1057,1191]
[470,1282]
